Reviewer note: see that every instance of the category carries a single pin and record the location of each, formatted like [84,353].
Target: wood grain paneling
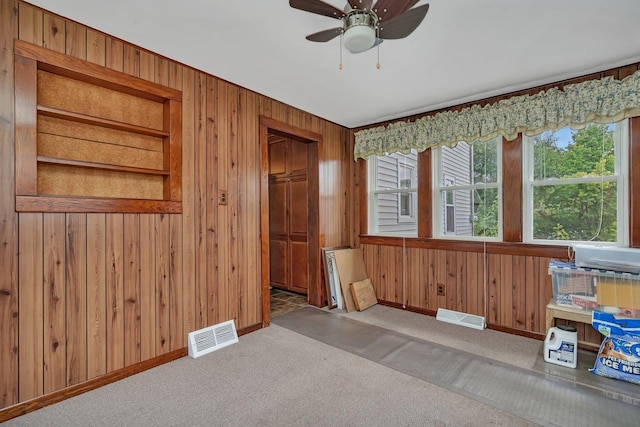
[224,102]
[188,201]
[76,298]
[115,291]
[143,281]
[131,243]
[207,272]
[30,307]
[512,190]
[162,262]
[8,218]
[96,296]
[31,259]
[55,343]
[516,288]
[177,333]
[205,91]
[147,287]
[233,251]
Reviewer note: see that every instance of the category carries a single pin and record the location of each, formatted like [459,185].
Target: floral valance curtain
[602,101]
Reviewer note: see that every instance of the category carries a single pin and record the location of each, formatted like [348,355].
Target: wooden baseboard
[583,345]
[75,390]
[495,327]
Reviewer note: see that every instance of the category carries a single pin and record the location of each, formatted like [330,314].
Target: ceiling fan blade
[403,25]
[324,36]
[361,4]
[389,9]
[318,7]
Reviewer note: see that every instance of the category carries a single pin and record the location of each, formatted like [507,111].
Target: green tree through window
[575,194]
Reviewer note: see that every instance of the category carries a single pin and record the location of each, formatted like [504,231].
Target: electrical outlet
[222,197]
[441,289]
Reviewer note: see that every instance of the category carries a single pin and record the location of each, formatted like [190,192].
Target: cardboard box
[363,294]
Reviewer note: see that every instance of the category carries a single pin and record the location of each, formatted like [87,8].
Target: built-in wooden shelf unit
[91,139]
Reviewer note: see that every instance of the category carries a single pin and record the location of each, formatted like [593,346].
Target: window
[393,201]
[449,208]
[467,190]
[575,185]
[406,181]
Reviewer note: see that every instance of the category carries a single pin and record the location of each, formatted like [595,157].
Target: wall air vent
[458,318]
[212,338]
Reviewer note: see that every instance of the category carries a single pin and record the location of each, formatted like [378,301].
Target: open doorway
[289,214]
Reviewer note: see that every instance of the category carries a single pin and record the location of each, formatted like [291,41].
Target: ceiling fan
[364,24]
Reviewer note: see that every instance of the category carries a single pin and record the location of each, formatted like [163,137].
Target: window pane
[396,170]
[405,204]
[406,175]
[576,212]
[574,154]
[486,210]
[475,213]
[471,164]
[448,197]
[393,194]
[387,173]
[456,164]
[451,219]
[390,217]
[485,162]
[468,187]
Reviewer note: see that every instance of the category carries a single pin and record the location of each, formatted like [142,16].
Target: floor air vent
[458,318]
[213,338]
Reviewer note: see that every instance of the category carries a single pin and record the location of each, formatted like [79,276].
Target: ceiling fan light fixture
[359,38]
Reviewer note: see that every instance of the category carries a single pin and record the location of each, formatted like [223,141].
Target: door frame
[315,295]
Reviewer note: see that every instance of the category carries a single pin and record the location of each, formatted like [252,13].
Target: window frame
[411,217]
[373,193]
[438,214]
[621,178]
[449,182]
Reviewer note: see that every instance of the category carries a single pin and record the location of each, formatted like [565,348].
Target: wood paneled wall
[84,295]
[507,282]
[509,290]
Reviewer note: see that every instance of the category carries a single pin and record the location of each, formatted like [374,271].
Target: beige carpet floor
[276,377]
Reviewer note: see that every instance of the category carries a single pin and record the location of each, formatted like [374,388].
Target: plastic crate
[573,286]
[595,289]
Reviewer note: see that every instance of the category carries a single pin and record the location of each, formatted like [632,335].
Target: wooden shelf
[65,204]
[90,139]
[96,121]
[555,311]
[102,166]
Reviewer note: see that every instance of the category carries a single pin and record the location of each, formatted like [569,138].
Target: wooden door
[298,218]
[288,215]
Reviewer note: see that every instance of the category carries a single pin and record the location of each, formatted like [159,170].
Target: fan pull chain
[340,67]
[378,48]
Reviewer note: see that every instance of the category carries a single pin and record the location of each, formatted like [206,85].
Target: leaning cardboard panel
[350,264]
[363,294]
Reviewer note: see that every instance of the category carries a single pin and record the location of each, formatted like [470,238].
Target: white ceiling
[464,50]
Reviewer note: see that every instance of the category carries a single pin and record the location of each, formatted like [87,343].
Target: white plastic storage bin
[608,258]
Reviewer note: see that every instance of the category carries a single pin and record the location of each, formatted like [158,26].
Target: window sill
[492,247]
